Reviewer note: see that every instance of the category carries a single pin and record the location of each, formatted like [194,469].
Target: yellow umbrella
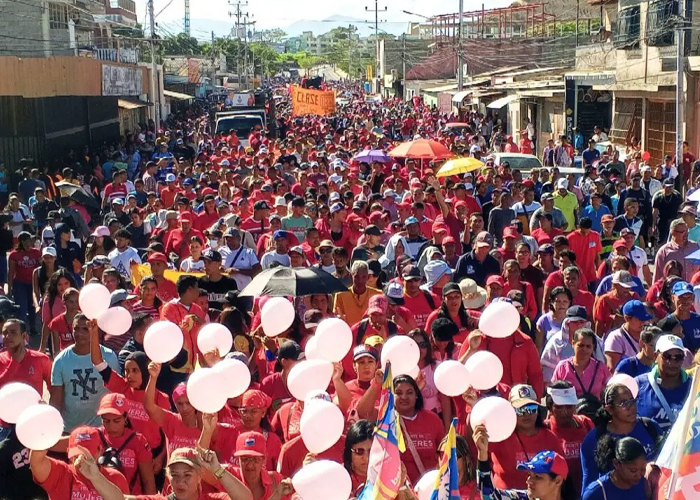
[459,166]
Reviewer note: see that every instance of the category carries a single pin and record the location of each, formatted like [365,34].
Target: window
[627,32]
[660,22]
[58,16]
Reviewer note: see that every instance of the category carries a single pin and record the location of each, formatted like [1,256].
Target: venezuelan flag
[384,470]
[447,481]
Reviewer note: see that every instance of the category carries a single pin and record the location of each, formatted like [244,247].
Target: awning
[499,103]
[459,96]
[694,63]
[132,103]
[177,95]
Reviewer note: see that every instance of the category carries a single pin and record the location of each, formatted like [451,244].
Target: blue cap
[337,207]
[410,220]
[682,288]
[188,182]
[280,234]
[636,309]
[546,462]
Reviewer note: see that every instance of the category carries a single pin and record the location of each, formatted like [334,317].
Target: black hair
[586,332]
[574,269]
[623,449]
[560,240]
[602,417]
[556,291]
[407,379]
[123,233]
[557,384]
[569,254]
[139,320]
[185,282]
[52,284]
[21,324]
[151,279]
[111,271]
[464,452]
[650,333]
[419,332]
[362,430]
[340,252]
[443,329]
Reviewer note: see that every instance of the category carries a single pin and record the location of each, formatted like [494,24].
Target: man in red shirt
[209,215]
[115,189]
[19,364]
[275,384]
[607,311]
[258,223]
[587,247]
[420,302]
[167,290]
[179,239]
[64,481]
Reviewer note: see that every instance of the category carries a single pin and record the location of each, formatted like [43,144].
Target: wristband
[219,473]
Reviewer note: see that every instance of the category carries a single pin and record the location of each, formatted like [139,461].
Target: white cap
[280,202]
[170,178]
[562,184]
[468,186]
[49,251]
[475,148]
[645,168]
[668,342]
[563,397]
[335,178]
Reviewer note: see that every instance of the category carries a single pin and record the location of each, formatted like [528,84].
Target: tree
[265,58]
[181,45]
[273,36]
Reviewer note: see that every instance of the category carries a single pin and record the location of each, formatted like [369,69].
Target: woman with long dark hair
[466,468]
[559,301]
[53,304]
[41,275]
[452,308]
[433,399]
[624,460]
[358,442]
[148,302]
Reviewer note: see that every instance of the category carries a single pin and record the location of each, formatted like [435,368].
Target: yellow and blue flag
[447,481]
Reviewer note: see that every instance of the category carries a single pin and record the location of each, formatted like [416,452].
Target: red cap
[208,190]
[158,257]
[377,304]
[85,436]
[448,239]
[186,216]
[250,444]
[495,279]
[440,228]
[528,183]
[375,216]
[510,232]
[113,403]
[461,203]
[354,218]
[253,398]
[619,244]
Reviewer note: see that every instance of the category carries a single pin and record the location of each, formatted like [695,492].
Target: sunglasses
[628,403]
[360,452]
[527,410]
[670,357]
[325,250]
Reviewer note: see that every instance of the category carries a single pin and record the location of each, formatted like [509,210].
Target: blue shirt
[648,404]
[612,492]
[691,331]
[589,468]
[605,285]
[595,216]
[589,156]
[632,366]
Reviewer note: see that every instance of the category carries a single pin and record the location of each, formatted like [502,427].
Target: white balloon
[214,336]
[309,375]
[311,350]
[236,376]
[15,397]
[485,370]
[163,341]
[39,427]
[204,390]
[94,299]
[334,339]
[451,378]
[413,372]
[115,321]
[497,415]
[277,316]
[323,480]
[627,381]
[426,484]
[403,352]
[499,320]
[321,425]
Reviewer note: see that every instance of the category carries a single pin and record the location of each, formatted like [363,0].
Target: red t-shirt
[181,436]
[166,291]
[585,299]
[269,481]
[273,446]
[255,227]
[66,483]
[202,496]
[571,439]
[63,329]
[25,262]
[293,454]
[586,247]
[34,369]
[274,386]
[556,279]
[420,308]
[135,452]
[542,238]
[167,196]
[113,191]
[506,455]
[287,420]
[179,242]
[426,431]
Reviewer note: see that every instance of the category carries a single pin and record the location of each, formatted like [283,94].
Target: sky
[281,13]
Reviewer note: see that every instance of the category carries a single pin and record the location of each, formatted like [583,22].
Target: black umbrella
[294,282]
[78,194]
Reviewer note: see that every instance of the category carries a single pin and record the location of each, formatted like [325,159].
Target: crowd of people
[175,222]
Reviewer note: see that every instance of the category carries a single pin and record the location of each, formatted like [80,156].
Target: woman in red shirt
[512,275]
[254,406]
[21,264]
[61,327]
[358,443]
[452,308]
[126,448]
[422,429]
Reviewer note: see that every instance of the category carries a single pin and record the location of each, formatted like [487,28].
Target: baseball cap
[186,217]
[522,395]
[546,196]
[619,244]
[120,295]
[261,205]
[546,462]
[280,234]
[377,304]
[625,231]
[85,436]
[635,308]
[510,232]
[280,202]
[682,288]
[668,342]
[623,278]
[364,351]
[394,293]
[669,182]
[250,444]
[113,403]
[563,396]
[49,251]
[495,279]
[434,270]
[562,184]
[290,350]
[212,255]
[607,218]
[411,272]
[546,248]
[117,201]
[337,207]
[186,456]
[374,340]
[577,313]
[451,287]
[100,231]
[170,178]
[484,238]
[158,257]
[410,220]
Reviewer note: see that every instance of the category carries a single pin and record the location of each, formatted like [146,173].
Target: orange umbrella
[421,148]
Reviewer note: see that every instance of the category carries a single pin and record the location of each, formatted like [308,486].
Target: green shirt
[297,225]
[568,205]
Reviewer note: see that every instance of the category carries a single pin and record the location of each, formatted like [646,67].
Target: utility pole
[403,68]
[577,18]
[154,67]
[680,83]
[236,36]
[376,36]
[460,57]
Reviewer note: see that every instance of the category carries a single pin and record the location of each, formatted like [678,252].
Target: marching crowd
[176,222]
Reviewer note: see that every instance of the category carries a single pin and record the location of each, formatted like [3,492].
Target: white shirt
[273,256]
[245,260]
[640,259]
[121,261]
[189,265]
[522,209]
